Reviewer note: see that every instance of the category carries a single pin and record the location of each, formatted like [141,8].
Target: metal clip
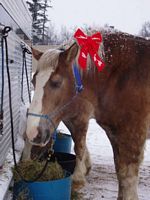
[4,30]
[25,48]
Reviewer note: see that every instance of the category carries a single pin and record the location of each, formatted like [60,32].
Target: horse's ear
[36,53]
[71,53]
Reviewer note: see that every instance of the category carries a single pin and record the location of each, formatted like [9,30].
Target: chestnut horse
[118,98]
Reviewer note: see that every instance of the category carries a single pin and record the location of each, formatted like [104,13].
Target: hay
[30,169]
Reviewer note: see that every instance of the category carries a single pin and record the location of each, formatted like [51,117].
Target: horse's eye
[55,82]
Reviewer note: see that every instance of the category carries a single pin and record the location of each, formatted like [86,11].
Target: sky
[124,15]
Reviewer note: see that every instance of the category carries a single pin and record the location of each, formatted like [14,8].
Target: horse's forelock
[49,60]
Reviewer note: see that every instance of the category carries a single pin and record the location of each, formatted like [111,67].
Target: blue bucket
[48,190]
[63,143]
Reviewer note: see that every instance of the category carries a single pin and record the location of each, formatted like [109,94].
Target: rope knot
[5,31]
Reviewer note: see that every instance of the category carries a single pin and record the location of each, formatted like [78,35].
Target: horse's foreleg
[83,164]
[78,131]
[128,153]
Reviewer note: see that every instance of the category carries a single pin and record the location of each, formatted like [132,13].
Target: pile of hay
[31,168]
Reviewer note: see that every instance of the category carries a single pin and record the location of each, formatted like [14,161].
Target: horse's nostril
[38,138]
[47,135]
[42,136]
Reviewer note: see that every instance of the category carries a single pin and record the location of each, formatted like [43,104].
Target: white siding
[20,13]
[15,54]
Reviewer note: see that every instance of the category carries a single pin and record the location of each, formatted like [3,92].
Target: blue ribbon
[78,81]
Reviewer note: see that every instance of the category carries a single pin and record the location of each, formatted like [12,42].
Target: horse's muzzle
[42,137]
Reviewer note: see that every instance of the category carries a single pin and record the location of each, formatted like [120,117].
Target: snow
[6,173]
[102,181]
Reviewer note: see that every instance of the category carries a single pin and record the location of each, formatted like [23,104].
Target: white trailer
[14,13]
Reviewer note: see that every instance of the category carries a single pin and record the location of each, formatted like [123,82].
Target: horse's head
[54,87]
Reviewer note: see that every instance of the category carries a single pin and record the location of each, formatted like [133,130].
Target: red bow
[89,45]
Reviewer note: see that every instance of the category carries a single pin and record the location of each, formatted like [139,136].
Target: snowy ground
[102,182]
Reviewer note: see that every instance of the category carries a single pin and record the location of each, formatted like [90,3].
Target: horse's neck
[116,57]
[93,82]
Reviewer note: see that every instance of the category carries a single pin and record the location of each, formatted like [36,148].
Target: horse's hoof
[77,185]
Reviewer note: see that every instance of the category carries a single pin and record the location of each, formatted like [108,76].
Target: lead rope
[5,32]
[24,68]
[2,90]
